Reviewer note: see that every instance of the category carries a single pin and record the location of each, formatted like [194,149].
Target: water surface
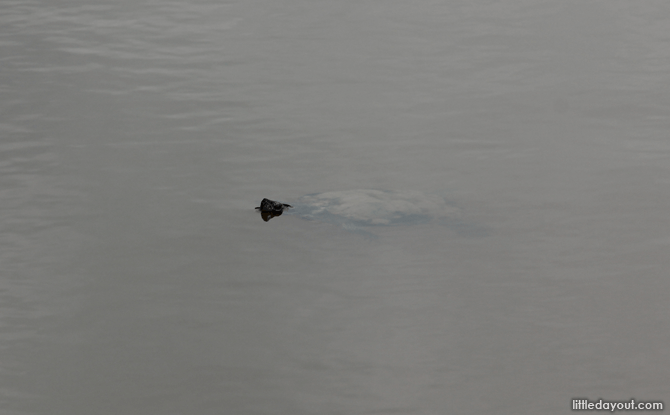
[137,137]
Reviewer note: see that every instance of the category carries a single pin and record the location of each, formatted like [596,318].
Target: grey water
[136,138]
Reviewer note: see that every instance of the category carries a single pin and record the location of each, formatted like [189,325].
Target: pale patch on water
[376,207]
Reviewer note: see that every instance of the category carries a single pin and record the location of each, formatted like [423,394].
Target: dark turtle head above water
[268,205]
[269,209]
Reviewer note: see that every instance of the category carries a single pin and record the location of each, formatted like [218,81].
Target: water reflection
[269,215]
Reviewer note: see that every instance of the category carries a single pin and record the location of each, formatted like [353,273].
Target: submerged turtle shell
[374,207]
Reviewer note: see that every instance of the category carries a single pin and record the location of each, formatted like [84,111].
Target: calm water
[136,138]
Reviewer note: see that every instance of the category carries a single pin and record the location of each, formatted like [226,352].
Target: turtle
[270,209]
[362,209]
